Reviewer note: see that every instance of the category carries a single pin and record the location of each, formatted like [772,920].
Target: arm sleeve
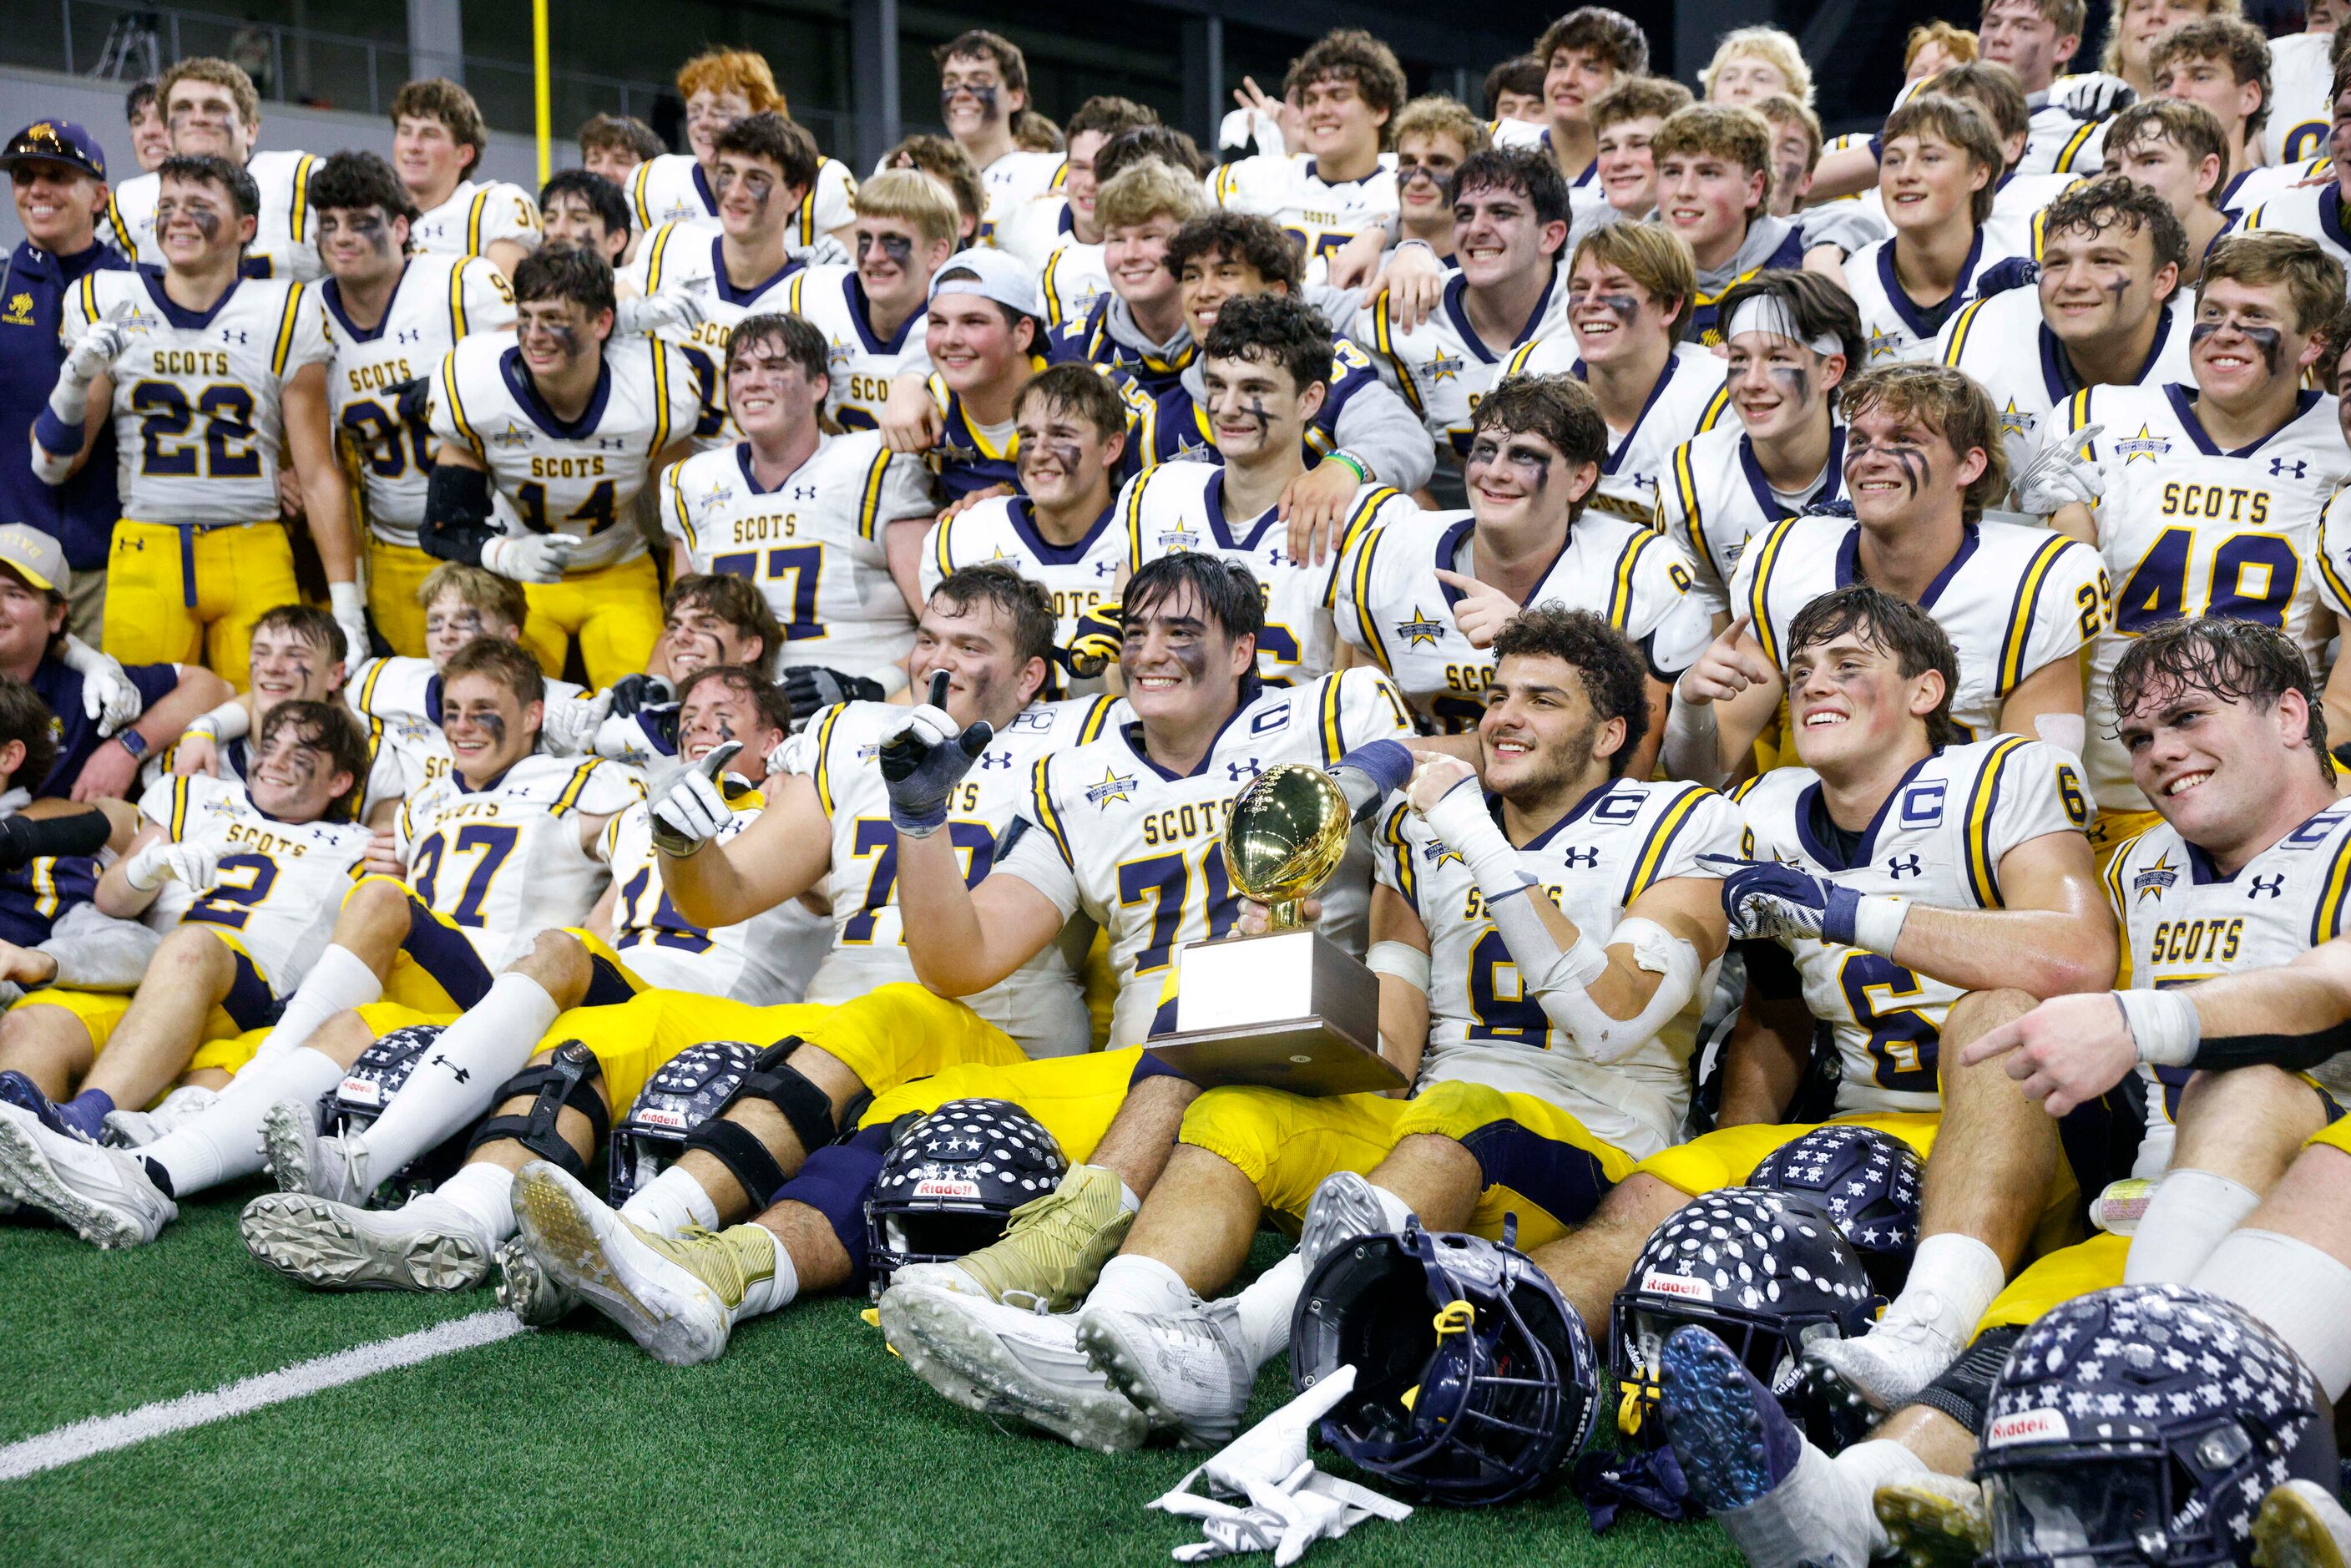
[96,952]
[1377,422]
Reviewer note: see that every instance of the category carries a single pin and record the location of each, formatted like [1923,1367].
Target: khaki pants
[86,601]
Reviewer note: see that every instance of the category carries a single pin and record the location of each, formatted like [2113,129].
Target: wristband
[2163,1026]
[52,433]
[1347,461]
[1878,924]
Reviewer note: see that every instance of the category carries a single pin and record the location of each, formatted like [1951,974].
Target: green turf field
[807,1443]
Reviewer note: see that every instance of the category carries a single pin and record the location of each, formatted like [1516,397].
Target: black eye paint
[2266,338]
[1624,307]
[1795,381]
[896,248]
[1257,411]
[1068,454]
[984,95]
[493,725]
[1192,657]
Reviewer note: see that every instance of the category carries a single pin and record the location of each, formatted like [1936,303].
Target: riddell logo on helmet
[2028,1426]
[361,1091]
[659,1118]
[1681,1285]
[946,1187]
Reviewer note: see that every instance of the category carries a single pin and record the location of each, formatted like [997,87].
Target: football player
[1585,55]
[2107,311]
[1423,596]
[1348,86]
[578,207]
[948,164]
[1937,173]
[805,517]
[2222,62]
[2300,65]
[1264,367]
[2174,149]
[986,334]
[247,877]
[720,86]
[1790,338]
[1752,64]
[983,89]
[392,313]
[2207,498]
[1625,123]
[143,113]
[565,423]
[707,618]
[1534,1104]
[1629,288]
[211,110]
[2038,39]
[873,314]
[2316,211]
[614,145]
[1433,135]
[1058,233]
[1922,460]
[208,375]
[1137,330]
[1796,152]
[434,124]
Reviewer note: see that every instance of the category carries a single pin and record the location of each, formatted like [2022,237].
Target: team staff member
[59,174]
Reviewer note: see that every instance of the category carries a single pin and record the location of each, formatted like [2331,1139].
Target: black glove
[1094,643]
[630,693]
[812,688]
[26,839]
[924,758]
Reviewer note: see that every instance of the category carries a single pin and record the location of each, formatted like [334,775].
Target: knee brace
[567,1078]
[804,1106]
[836,1182]
[1963,1391]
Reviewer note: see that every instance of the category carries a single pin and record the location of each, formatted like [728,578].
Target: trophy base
[1286,1009]
[1304,1056]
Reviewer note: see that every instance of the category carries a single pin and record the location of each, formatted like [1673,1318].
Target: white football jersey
[281,884]
[568,476]
[1016,179]
[506,862]
[1042,1003]
[814,544]
[1937,840]
[438,299]
[2057,143]
[859,365]
[477,214]
[1898,331]
[1390,604]
[2314,212]
[747,961]
[387,777]
[1716,497]
[2017,203]
[1078,576]
[2250,188]
[1320,214]
[2005,343]
[689,258]
[1107,832]
[2014,599]
[1071,275]
[673,189]
[284,237]
[2188,529]
[1179,507]
[400,700]
[1483,1025]
[2300,116]
[199,409]
[1689,397]
[1442,367]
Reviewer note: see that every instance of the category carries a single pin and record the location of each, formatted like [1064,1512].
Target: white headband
[1769,313]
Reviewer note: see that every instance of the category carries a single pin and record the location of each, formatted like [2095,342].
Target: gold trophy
[1287,1008]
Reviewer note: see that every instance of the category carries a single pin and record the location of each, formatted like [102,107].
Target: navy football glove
[924,758]
[1782,903]
[812,688]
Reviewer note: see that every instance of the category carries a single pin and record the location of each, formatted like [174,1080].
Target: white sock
[484,1193]
[338,982]
[1127,1199]
[777,1290]
[1264,1308]
[2294,1287]
[1952,1280]
[222,1142]
[1873,1464]
[461,1073]
[1818,1512]
[1132,1284]
[2190,1212]
[666,1205]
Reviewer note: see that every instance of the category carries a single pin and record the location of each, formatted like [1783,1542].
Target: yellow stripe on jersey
[1061,175]
[1517,365]
[571,789]
[807,216]
[179,808]
[1096,717]
[2326,920]
[474,222]
[2073,146]
[637,193]
[367,688]
[1960,330]
[2114,880]
[824,755]
[942,557]
[1134,520]
[122,231]
[1738,794]
[1041,789]
[456,405]
[869,500]
[660,253]
[284,345]
[1334,739]
[2077,413]
[2334,578]
[1045,287]
[1759,595]
[2027,606]
[1620,597]
[793,298]
[1983,877]
[89,290]
[1383,339]
[661,401]
[1686,492]
[1372,501]
[1224,194]
[1714,409]
[1669,827]
[301,214]
[1407,879]
[1365,621]
[673,489]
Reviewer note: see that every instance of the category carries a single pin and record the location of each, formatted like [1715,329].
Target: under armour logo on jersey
[803,491]
[1900,866]
[2282,469]
[1274,557]
[409,335]
[990,760]
[2267,887]
[1579,858]
[462,1075]
[1106,568]
[611,443]
[1420,629]
[1247,767]
[234,335]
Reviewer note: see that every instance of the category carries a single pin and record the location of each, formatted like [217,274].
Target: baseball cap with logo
[56,142]
[34,556]
[992,275]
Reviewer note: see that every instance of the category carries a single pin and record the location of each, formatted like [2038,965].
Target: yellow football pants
[176,596]
[613,612]
[2056,1279]
[1075,1097]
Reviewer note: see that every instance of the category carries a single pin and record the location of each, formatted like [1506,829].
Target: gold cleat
[1934,1520]
[2301,1525]
[1055,1245]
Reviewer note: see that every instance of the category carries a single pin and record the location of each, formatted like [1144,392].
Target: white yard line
[103,1433]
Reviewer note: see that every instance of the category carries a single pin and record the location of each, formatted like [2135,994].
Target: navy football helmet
[1475,1382]
[688,1090]
[2146,1424]
[1769,1272]
[1868,1181]
[368,1087]
[951,1180]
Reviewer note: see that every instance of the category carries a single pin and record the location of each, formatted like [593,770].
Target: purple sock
[87,1111]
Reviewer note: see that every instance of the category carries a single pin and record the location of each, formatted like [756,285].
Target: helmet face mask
[951,1181]
[2086,1512]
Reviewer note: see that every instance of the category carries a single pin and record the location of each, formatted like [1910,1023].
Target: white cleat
[941,1277]
[1004,1360]
[631,1277]
[1187,1371]
[1344,1207]
[2301,1525]
[102,1195]
[527,1290]
[1886,1366]
[426,1244]
[136,1129]
[299,1160]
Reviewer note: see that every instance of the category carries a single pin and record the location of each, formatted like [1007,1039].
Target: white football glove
[672,311]
[624,739]
[690,813]
[2093,95]
[348,601]
[196,865]
[108,697]
[534,558]
[571,723]
[93,353]
[2061,475]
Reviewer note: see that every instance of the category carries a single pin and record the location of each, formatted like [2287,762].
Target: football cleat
[136,1129]
[1934,1520]
[104,1196]
[528,1291]
[1185,1371]
[1007,1361]
[26,1095]
[1055,1247]
[940,1277]
[423,1245]
[1886,1366]
[676,1298]
[299,1160]
[1344,1207]
[1749,1465]
[2301,1525]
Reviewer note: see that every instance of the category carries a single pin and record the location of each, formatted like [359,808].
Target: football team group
[1829,648]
